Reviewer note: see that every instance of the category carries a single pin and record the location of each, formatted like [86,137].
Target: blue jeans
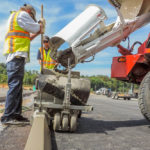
[15,73]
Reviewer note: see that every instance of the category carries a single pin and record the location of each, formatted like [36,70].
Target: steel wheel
[65,123]
[73,123]
[56,123]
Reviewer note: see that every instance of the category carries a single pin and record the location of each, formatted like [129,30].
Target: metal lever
[68,88]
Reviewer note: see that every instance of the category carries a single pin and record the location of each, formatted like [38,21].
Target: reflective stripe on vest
[16,39]
[48,62]
[17,34]
[11,25]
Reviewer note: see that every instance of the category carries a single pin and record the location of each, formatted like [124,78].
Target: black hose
[137,42]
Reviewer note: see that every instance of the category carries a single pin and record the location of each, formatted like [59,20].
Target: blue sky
[59,13]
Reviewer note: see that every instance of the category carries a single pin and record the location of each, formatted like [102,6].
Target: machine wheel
[73,123]
[65,123]
[144,96]
[56,123]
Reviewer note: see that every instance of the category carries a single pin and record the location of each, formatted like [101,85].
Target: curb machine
[63,97]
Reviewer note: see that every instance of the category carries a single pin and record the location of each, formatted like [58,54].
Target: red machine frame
[132,67]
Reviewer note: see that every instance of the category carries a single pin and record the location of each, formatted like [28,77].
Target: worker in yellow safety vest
[22,28]
[48,62]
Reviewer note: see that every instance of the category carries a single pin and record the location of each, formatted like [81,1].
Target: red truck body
[132,67]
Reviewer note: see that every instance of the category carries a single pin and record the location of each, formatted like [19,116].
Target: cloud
[80,6]
[2,38]
[110,11]
[7,6]
[3,30]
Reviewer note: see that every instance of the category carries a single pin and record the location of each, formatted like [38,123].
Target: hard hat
[45,38]
[27,6]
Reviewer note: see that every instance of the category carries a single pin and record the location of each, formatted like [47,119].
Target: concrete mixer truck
[87,35]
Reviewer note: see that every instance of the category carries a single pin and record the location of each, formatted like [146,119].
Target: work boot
[10,121]
[18,120]
[21,118]
[4,120]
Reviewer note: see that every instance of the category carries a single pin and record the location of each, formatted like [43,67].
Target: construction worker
[48,62]
[22,29]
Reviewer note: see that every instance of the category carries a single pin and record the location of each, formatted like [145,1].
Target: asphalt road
[113,125]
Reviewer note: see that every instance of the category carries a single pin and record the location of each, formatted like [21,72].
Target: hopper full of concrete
[54,84]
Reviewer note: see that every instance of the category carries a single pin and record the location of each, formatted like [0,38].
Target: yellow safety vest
[16,39]
[48,62]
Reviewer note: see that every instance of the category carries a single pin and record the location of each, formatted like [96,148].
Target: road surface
[113,125]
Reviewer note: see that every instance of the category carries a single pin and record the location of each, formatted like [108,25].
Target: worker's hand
[42,28]
[56,64]
[42,20]
[42,23]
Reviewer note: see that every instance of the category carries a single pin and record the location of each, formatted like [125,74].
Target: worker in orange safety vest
[48,62]
[22,28]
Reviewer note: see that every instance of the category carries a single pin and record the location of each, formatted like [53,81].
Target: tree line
[101,81]
[29,76]
[97,82]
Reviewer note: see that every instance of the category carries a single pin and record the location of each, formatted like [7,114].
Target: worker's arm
[32,36]
[27,23]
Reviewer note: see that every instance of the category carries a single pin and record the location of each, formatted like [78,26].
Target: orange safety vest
[48,62]
[16,39]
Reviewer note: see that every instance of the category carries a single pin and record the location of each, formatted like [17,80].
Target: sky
[59,13]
